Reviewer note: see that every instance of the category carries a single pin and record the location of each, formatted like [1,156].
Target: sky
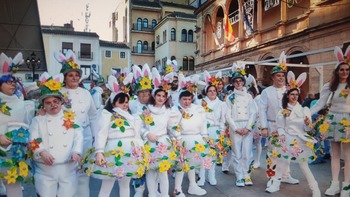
[59,12]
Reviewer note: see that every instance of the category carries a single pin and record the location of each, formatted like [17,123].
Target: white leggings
[14,190]
[107,186]
[152,179]
[179,177]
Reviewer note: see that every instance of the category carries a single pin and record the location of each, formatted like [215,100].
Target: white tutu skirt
[162,154]
[338,129]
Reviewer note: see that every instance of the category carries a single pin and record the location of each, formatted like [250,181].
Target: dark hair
[253,91]
[285,97]
[152,101]
[120,98]
[6,78]
[334,82]
[185,93]
[205,90]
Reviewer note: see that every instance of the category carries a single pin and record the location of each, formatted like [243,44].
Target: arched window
[173,34]
[145,22]
[191,63]
[139,46]
[154,23]
[185,63]
[153,46]
[190,36]
[145,45]
[139,24]
[184,35]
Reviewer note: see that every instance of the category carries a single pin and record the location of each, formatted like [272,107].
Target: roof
[171,4]
[146,3]
[104,43]
[67,32]
[182,15]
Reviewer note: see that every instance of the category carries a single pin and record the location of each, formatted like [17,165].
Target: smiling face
[71,79]
[211,93]
[124,105]
[160,98]
[293,97]
[186,101]
[279,79]
[238,83]
[343,72]
[52,105]
[8,87]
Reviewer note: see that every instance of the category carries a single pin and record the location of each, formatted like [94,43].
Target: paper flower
[199,147]
[53,85]
[4,108]
[11,176]
[23,169]
[145,83]
[164,166]
[33,145]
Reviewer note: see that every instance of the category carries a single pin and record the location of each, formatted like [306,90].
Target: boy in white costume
[56,143]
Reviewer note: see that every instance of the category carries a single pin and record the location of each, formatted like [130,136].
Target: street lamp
[34,63]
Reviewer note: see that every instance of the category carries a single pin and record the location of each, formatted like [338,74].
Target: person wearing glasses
[15,116]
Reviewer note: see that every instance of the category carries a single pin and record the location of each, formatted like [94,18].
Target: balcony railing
[86,56]
[149,28]
[142,51]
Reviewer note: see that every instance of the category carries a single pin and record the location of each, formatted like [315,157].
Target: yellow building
[307,30]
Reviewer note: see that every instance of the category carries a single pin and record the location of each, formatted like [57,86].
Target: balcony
[149,28]
[86,55]
[142,51]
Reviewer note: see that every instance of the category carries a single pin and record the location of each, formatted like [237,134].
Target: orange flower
[68,124]
[270,173]
[33,145]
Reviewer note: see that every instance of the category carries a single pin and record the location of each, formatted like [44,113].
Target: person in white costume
[194,148]
[171,67]
[80,101]
[56,143]
[159,121]
[335,93]
[118,153]
[215,115]
[270,103]
[292,140]
[241,116]
[15,116]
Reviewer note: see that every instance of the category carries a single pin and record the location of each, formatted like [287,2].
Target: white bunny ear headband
[189,83]
[142,78]
[68,62]
[117,88]
[212,80]
[171,66]
[295,84]
[9,65]
[50,85]
[342,58]
[160,82]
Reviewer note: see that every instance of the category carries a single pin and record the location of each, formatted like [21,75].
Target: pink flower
[161,148]
[136,152]
[207,163]
[196,156]
[295,151]
[119,173]
[284,148]
[152,159]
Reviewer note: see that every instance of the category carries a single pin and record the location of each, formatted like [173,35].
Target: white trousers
[152,178]
[58,180]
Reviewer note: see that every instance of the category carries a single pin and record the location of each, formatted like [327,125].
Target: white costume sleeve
[29,110]
[222,119]
[229,118]
[102,128]
[174,119]
[78,141]
[263,102]
[307,113]
[325,92]
[281,123]
[204,131]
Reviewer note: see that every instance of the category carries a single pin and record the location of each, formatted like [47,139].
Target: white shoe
[196,190]
[256,165]
[248,181]
[201,182]
[334,189]
[345,192]
[274,187]
[240,183]
[212,180]
[290,180]
[178,194]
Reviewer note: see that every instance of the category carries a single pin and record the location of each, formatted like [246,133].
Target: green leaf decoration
[144,108]
[120,144]
[114,126]
[122,129]
[152,150]
[203,154]
[142,117]
[293,158]
[9,134]
[119,163]
[75,126]
[346,188]
[165,158]
[208,125]
[3,153]
[126,123]
[286,157]
[19,179]
[152,124]
[274,167]
[129,174]
[98,172]
[127,154]
[195,142]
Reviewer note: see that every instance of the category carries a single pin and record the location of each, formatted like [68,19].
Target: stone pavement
[226,184]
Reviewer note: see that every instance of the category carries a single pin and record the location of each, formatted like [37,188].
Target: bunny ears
[159,82]
[342,58]
[142,78]
[50,85]
[238,71]
[213,80]
[117,88]
[68,62]
[282,67]
[9,65]
[295,84]
[171,66]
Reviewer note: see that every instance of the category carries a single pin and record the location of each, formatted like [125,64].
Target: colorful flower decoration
[50,86]
[68,121]
[142,78]
[184,114]
[286,112]
[8,65]
[171,66]
[161,82]
[205,106]
[213,80]
[189,83]
[177,128]
[282,67]
[117,88]
[35,144]
[344,92]
[5,109]
[146,116]
[119,121]
[68,62]
[20,135]
[295,83]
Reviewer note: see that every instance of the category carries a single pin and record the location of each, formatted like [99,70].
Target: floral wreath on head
[282,66]
[50,85]
[161,82]
[213,80]
[68,62]
[124,78]
[171,66]
[9,65]
[117,88]
[238,71]
[143,78]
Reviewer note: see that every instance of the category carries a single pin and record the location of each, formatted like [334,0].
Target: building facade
[307,30]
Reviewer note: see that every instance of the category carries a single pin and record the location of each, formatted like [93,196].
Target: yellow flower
[222,139]
[118,152]
[185,167]
[343,93]
[119,122]
[53,85]
[69,115]
[164,166]
[275,153]
[199,147]
[212,152]
[345,140]
[140,171]
[89,171]
[147,148]
[221,158]
[268,162]
[73,65]
[169,69]
[229,143]
[145,83]
[294,143]
[324,127]
[3,107]
[283,66]
[242,71]
[23,169]
[172,155]
[186,116]
[11,176]
[148,120]
[310,145]
[345,123]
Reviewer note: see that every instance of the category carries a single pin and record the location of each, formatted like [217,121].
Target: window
[108,54]
[164,36]
[66,46]
[190,36]
[185,63]
[145,45]
[153,46]
[154,23]
[184,35]
[85,50]
[86,70]
[139,46]
[122,55]
[145,23]
[173,34]
[157,39]
[139,24]
[191,63]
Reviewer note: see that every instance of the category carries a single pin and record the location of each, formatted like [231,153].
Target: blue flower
[17,152]
[20,135]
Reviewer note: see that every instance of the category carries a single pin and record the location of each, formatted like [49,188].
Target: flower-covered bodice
[193,120]
[215,112]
